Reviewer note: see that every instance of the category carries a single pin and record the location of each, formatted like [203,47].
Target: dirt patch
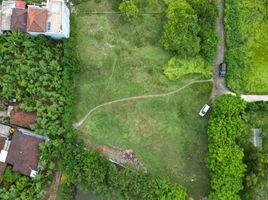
[123,157]
[51,193]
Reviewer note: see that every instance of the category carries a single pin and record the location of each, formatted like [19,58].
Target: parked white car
[204,110]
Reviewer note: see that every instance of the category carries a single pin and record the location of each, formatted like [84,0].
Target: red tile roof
[23,153]
[20,4]
[19,20]
[37,20]
[23,119]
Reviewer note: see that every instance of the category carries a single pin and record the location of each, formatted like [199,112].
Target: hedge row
[225,158]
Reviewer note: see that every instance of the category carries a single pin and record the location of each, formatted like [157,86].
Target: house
[23,119]
[51,18]
[20,149]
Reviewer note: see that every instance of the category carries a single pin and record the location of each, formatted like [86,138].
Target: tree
[225,158]
[129,10]
[181,29]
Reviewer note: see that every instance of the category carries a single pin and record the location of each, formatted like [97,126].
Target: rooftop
[19,20]
[23,119]
[23,153]
[54,20]
[37,18]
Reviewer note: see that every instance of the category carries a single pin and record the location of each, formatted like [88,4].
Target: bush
[129,10]
[181,30]
[225,157]
[177,68]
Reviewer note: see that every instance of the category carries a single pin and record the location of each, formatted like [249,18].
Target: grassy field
[166,133]
[121,60]
[252,77]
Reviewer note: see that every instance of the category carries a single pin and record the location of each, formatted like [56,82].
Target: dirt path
[51,194]
[220,87]
[79,123]
[219,82]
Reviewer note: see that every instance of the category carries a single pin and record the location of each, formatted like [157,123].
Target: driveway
[219,82]
[220,87]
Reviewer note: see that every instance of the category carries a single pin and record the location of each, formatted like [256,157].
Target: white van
[204,110]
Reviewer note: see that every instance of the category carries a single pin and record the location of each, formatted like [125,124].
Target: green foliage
[177,68]
[207,13]
[246,41]
[225,158]
[92,171]
[257,106]
[32,72]
[181,30]
[129,10]
[9,177]
[257,172]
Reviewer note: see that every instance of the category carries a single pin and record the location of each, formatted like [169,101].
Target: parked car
[204,110]
[223,70]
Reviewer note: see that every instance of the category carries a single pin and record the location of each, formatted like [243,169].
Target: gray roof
[4,130]
[6,14]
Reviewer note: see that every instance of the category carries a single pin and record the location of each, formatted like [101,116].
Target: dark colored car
[223,70]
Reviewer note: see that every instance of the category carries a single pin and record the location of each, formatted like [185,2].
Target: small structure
[23,119]
[21,150]
[23,153]
[257,137]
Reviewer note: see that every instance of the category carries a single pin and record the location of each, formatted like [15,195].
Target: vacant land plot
[247,46]
[167,134]
[121,60]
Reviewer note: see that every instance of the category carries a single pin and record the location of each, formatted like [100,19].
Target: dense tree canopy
[181,30]
[225,158]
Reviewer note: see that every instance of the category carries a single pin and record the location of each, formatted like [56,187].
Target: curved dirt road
[149,96]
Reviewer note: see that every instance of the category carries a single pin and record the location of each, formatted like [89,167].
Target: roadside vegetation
[246,30]
[256,179]
[238,169]
[225,157]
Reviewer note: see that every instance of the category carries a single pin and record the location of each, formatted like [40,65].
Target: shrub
[177,68]
[129,10]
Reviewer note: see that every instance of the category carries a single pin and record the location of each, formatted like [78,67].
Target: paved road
[219,82]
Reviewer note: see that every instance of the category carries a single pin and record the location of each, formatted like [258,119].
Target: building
[20,149]
[51,18]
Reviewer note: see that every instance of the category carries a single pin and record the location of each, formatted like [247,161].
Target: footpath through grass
[166,133]
[121,60]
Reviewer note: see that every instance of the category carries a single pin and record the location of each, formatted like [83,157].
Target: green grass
[121,60]
[166,133]
[253,76]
